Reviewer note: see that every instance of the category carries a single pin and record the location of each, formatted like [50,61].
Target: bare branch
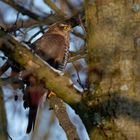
[55,8]
[59,108]
[78,54]
[79,35]
[22,9]
[4,67]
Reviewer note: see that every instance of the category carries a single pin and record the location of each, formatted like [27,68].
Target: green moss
[97,134]
[128,28]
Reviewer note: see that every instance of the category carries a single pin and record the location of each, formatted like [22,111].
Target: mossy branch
[18,53]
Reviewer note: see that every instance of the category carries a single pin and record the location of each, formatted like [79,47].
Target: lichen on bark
[112,29]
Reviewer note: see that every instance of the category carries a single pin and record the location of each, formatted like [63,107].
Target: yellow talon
[51,94]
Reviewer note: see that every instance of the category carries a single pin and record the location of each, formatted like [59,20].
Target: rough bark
[114,41]
[59,109]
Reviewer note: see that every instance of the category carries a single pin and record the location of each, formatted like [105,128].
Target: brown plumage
[33,94]
[53,46]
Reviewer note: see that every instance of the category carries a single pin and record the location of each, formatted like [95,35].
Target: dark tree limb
[4,67]
[49,19]
[22,9]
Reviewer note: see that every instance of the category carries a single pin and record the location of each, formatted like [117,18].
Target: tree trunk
[113,42]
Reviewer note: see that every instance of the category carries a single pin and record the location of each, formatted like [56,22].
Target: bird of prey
[52,47]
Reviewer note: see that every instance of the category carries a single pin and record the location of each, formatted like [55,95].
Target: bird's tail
[31,119]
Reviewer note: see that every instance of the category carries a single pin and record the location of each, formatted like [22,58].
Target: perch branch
[18,53]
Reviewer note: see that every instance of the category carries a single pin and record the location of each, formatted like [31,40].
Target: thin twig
[81,23]
[4,67]
[79,35]
[22,9]
[9,136]
[37,33]
[55,8]
[78,76]
[77,55]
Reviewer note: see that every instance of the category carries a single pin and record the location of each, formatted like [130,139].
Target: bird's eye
[67,27]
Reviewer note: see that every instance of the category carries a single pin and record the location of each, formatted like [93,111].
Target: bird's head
[60,28]
[64,27]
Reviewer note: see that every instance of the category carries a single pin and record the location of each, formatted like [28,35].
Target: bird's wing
[52,48]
